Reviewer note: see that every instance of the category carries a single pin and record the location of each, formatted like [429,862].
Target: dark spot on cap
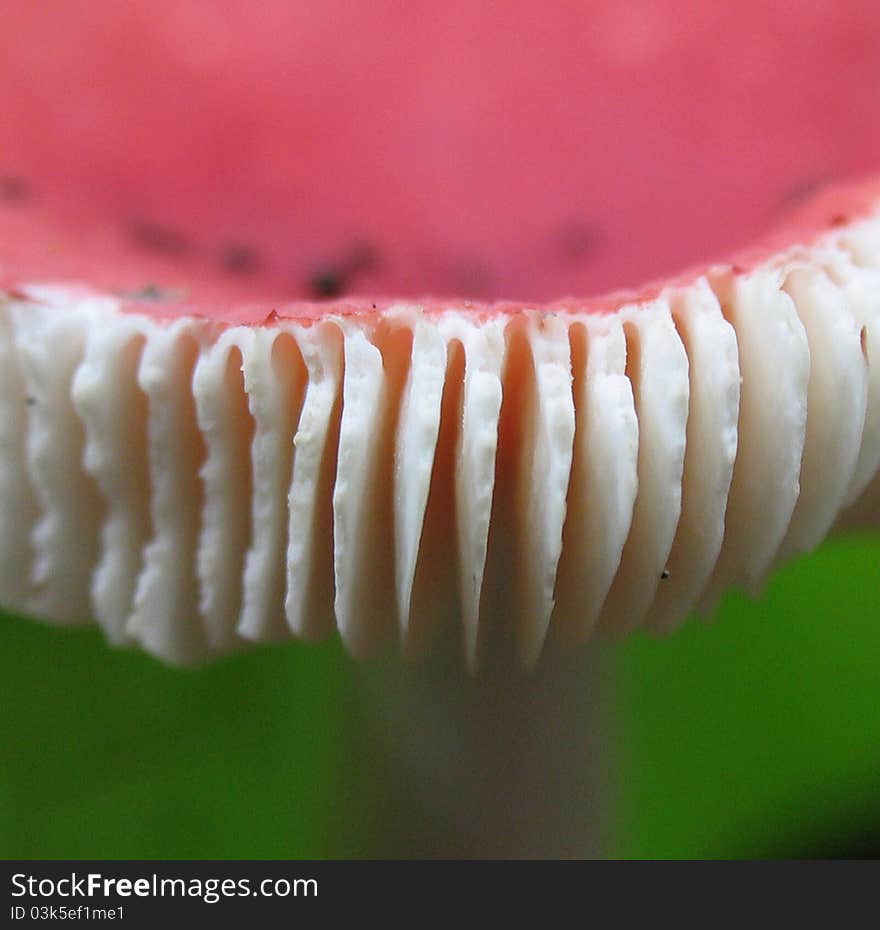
[803,190]
[14,190]
[237,258]
[839,219]
[30,400]
[362,258]
[153,292]
[577,240]
[664,574]
[327,282]
[159,238]
[335,275]
[271,318]
[472,279]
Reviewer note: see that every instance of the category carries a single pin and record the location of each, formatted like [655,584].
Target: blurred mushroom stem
[501,765]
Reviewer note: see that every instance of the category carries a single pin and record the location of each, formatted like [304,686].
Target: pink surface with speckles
[523,151]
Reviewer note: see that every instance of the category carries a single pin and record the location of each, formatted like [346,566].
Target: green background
[757,735]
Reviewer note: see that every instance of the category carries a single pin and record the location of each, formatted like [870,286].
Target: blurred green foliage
[108,754]
[743,738]
[760,734]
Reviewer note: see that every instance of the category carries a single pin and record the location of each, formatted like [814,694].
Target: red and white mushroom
[208,439]
[194,483]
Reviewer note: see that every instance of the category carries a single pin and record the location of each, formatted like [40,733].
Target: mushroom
[224,458]
[196,487]
[525,473]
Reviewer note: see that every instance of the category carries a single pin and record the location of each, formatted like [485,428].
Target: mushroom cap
[202,457]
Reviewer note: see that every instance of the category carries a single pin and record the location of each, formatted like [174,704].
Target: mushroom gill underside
[524,476]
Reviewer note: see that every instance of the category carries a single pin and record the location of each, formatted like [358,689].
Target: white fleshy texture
[414,454]
[165,618]
[361,610]
[774,367]
[309,593]
[604,477]
[228,430]
[837,396]
[546,451]
[275,386]
[531,475]
[658,368]
[113,409]
[50,340]
[18,504]
[710,451]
